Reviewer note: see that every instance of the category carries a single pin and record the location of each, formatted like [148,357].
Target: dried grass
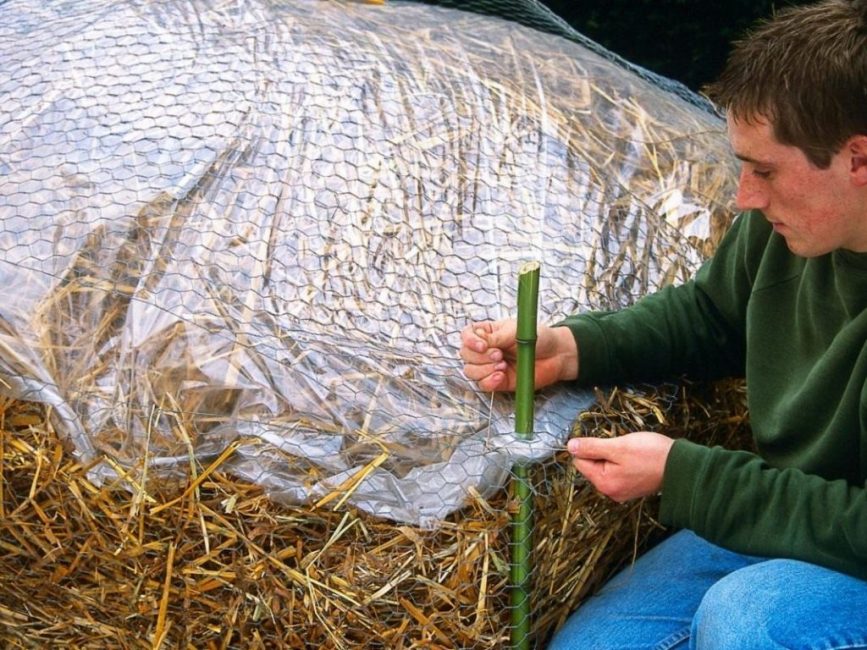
[218,565]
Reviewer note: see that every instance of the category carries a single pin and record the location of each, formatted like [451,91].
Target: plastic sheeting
[253,230]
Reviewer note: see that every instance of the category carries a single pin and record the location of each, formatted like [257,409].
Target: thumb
[590,448]
[498,334]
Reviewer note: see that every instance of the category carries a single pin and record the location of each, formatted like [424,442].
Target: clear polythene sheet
[258,228]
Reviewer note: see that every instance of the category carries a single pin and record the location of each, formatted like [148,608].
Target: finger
[592,448]
[471,355]
[602,475]
[481,371]
[494,382]
[474,337]
[592,470]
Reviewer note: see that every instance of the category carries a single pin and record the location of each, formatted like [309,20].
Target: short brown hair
[805,70]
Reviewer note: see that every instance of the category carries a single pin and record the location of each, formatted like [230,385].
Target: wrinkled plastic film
[266,224]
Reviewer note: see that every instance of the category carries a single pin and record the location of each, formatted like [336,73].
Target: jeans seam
[673,639]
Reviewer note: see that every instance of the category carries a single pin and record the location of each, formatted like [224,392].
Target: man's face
[815,210]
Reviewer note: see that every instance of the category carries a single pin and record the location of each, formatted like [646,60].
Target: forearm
[673,332]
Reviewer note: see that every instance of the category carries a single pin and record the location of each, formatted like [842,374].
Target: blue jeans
[688,593]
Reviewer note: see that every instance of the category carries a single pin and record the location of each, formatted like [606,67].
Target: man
[772,551]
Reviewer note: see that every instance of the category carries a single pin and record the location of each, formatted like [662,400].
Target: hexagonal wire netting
[260,227]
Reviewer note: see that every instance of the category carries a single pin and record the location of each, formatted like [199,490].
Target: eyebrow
[748,159]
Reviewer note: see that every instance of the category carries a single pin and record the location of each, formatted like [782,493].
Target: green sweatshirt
[796,328]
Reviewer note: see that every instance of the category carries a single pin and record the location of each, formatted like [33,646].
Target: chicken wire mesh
[251,231]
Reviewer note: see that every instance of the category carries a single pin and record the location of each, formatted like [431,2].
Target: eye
[762,173]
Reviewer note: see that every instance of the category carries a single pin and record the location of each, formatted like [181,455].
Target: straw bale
[216,564]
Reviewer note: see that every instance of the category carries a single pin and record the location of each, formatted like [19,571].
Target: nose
[750,194]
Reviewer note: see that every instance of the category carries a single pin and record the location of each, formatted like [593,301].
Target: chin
[805,250]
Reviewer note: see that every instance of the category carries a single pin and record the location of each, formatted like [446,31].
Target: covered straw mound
[216,564]
[256,228]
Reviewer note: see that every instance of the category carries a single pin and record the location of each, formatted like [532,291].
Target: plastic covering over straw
[259,227]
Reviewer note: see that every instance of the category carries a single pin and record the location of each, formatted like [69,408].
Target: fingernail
[572,446]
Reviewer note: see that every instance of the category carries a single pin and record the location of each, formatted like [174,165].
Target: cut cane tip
[528,267]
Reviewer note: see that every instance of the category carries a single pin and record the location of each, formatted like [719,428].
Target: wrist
[567,352]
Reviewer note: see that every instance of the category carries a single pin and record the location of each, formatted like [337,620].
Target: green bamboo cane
[522,520]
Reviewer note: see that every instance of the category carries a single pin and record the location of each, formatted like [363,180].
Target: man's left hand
[623,468]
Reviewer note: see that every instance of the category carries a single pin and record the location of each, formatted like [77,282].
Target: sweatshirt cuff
[682,469]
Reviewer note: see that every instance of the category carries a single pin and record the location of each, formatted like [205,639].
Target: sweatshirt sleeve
[733,498]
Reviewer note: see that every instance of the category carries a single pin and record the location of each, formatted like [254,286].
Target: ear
[857,149]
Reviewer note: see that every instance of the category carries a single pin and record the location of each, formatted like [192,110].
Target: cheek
[818,222]
[812,204]
[802,208]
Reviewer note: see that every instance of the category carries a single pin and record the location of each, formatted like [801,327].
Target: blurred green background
[687,40]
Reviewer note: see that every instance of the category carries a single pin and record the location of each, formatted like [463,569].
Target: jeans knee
[732,614]
[782,604]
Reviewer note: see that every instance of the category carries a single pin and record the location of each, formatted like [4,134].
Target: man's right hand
[489,351]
